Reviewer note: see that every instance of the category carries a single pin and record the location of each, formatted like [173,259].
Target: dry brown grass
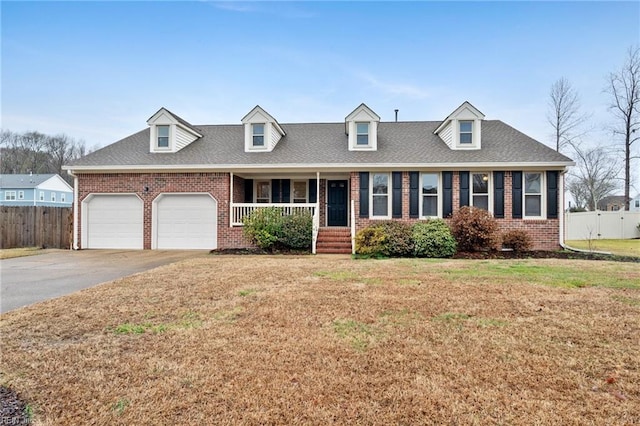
[317,340]
[21,252]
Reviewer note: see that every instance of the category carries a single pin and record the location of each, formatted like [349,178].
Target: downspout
[74,245]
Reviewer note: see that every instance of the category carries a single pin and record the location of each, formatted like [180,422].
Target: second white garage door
[186,221]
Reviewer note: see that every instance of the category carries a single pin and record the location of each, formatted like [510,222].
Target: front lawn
[619,247]
[327,339]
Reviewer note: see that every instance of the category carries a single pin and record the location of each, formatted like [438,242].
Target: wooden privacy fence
[49,227]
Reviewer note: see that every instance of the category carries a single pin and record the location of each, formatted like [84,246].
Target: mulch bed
[12,408]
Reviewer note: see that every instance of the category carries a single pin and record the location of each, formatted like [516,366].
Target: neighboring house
[634,204]
[35,190]
[611,203]
[176,185]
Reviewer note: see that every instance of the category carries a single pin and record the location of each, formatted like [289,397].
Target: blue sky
[98,70]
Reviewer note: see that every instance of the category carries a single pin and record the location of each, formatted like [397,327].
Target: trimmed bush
[398,241]
[297,230]
[268,228]
[517,239]
[474,229]
[433,239]
[370,241]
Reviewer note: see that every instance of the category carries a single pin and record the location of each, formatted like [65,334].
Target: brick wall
[216,184]
[544,233]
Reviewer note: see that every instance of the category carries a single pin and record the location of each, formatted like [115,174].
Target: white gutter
[74,244]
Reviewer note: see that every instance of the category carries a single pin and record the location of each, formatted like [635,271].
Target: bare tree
[624,88]
[564,113]
[594,177]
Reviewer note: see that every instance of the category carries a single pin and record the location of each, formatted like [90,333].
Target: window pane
[380,205]
[532,205]
[262,191]
[480,183]
[532,183]
[380,183]
[481,201]
[429,205]
[163,142]
[362,128]
[258,129]
[299,191]
[466,126]
[430,183]
[258,141]
[163,131]
[362,139]
[465,138]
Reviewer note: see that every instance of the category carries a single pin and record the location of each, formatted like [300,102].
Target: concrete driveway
[32,279]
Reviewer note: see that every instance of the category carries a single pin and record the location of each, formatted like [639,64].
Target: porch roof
[324,145]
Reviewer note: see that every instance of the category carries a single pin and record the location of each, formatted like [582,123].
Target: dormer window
[258,134]
[361,127]
[362,133]
[466,132]
[163,136]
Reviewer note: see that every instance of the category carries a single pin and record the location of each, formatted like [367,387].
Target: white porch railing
[316,229]
[353,226]
[240,210]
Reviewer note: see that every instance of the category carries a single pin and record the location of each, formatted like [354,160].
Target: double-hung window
[380,194]
[299,189]
[53,197]
[480,190]
[163,136]
[62,198]
[466,132]
[257,130]
[41,195]
[533,194]
[362,133]
[10,195]
[430,194]
[20,195]
[263,191]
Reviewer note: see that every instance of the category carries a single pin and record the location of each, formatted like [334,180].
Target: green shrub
[263,227]
[269,228]
[370,241]
[517,239]
[474,229]
[433,239]
[398,239]
[297,230]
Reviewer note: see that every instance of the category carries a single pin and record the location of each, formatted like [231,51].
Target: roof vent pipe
[396,110]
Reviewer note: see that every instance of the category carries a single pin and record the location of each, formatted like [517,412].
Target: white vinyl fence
[602,225]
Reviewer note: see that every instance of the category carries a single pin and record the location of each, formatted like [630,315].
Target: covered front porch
[325,197]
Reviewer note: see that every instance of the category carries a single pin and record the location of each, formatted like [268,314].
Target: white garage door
[186,221]
[114,222]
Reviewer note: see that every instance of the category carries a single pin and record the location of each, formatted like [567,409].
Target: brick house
[176,185]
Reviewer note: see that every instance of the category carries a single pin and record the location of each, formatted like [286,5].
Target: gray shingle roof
[326,145]
[23,181]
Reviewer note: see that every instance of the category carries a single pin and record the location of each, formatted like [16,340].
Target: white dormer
[261,131]
[170,133]
[462,129]
[362,128]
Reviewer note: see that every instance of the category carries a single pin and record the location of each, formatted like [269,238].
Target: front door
[337,202]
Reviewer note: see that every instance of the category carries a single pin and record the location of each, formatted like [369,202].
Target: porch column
[230,199]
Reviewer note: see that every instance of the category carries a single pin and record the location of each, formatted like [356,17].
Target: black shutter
[248,190]
[464,188]
[447,196]
[396,199]
[414,194]
[498,195]
[275,190]
[285,190]
[516,195]
[364,194]
[552,195]
[313,190]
